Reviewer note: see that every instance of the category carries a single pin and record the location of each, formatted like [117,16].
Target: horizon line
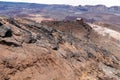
[56,4]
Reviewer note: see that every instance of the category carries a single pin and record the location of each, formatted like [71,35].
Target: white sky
[73,2]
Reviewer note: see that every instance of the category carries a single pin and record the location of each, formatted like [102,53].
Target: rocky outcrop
[56,51]
[5,31]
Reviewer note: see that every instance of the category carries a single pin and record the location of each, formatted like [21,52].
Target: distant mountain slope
[16,7]
[39,12]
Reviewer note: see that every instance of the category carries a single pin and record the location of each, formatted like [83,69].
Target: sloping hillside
[58,50]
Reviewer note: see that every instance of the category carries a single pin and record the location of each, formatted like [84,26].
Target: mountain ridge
[39,42]
[38,12]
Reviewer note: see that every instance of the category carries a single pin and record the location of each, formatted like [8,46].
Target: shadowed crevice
[3,42]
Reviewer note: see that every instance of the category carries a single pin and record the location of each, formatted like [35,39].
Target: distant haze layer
[72,2]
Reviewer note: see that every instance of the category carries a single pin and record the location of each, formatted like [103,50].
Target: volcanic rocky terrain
[57,50]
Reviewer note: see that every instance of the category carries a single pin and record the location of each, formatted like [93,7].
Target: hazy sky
[73,2]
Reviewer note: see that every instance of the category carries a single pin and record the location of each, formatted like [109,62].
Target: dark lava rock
[5,31]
